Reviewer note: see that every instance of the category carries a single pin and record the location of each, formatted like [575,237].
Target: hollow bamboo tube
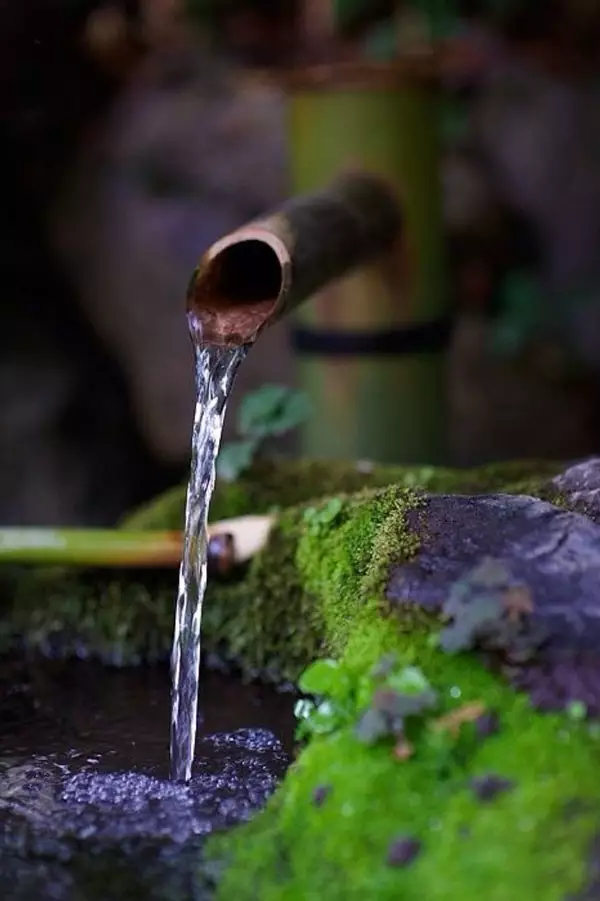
[253,276]
[377,390]
[231,542]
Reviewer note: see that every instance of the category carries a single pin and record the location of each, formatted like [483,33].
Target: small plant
[394,704]
[333,702]
[269,412]
[317,517]
[378,704]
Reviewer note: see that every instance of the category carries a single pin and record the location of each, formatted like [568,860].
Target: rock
[487,724]
[487,788]
[555,553]
[580,484]
[403,851]
[320,794]
[66,835]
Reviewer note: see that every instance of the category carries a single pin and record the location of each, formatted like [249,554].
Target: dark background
[133,134]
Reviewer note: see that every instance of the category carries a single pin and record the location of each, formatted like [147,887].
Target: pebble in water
[215,372]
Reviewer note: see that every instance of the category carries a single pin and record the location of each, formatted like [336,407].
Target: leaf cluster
[268,412]
[377,704]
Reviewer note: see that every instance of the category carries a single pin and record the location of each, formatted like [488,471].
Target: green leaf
[272,410]
[316,517]
[235,458]
[323,677]
[331,510]
[303,709]
[409,681]
[325,719]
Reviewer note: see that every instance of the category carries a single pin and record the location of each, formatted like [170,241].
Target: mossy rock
[274,485]
[336,827]
[264,621]
[513,814]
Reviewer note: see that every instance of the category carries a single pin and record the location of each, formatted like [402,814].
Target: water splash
[215,372]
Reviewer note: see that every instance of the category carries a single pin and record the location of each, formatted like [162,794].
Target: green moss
[278,484]
[530,842]
[299,596]
[346,567]
[269,621]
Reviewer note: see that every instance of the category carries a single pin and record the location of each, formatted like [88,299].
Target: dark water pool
[86,810]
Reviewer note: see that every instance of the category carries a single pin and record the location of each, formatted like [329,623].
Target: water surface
[87,810]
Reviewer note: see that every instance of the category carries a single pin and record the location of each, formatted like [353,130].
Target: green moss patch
[451,814]
[334,828]
[275,485]
[273,619]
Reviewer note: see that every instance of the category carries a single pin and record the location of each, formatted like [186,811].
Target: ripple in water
[60,831]
[87,811]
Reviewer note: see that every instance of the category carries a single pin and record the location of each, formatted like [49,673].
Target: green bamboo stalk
[90,547]
[384,407]
[231,542]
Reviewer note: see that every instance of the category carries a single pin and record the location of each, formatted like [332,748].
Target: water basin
[86,807]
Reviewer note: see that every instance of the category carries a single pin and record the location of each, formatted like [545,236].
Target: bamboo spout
[258,273]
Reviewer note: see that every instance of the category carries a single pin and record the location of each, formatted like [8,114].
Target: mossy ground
[275,485]
[529,842]
[269,620]
[318,589]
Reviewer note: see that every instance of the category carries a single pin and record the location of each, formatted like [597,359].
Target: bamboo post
[371,346]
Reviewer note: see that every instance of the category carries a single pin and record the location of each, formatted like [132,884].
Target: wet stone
[580,485]
[554,553]
[487,724]
[551,553]
[58,827]
[560,679]
[320,794]
[488,787]
[403,851]
[86,810]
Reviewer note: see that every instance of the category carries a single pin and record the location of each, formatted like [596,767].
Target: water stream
[215,371]
[85,810]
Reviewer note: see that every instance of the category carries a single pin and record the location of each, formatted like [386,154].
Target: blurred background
[135,133]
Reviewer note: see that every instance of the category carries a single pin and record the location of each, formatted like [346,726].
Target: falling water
[215,371]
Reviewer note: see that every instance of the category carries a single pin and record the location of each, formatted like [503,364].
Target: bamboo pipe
[230,542]
[253,276]
[371,347]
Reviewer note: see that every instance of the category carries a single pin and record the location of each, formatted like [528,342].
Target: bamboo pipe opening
[260,272]
[248,273]
[238,286]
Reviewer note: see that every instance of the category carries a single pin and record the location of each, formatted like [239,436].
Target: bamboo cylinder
[230,543]
[371,346]
[251,277]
